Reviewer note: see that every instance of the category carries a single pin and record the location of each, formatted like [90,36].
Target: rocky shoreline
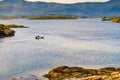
[78,73]
[6,31]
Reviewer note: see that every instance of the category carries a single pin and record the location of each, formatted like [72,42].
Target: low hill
[21,7]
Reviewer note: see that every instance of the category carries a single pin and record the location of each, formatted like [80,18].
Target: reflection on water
[87,43]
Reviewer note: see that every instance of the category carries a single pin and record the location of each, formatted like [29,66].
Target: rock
[14,78]
[115,19]
[78,73]
[105,19]
[6,31]
[112,19]
[15,26]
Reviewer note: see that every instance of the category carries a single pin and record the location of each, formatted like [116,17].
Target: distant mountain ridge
[21,7]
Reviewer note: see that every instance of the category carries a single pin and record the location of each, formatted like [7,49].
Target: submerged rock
[78,73]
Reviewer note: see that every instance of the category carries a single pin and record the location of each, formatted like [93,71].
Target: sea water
[88,43]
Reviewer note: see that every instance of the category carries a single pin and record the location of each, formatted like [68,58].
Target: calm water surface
[89,43]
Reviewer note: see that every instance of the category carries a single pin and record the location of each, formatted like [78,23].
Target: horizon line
[64,2]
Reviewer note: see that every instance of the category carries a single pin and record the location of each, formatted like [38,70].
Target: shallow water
[89,43]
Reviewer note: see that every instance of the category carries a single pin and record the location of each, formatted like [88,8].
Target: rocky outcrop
[3,34]
[112,19]
[78,73]
[15,26]
[6,31]
[115,19]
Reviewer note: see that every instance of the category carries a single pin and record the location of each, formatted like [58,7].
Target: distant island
[42,17]
[6,31]
[14,17]
[53,17]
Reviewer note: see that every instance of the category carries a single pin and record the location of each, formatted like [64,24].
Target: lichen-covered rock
[112,19]
[6,31]
[78,73]
[15,26]
[115,19]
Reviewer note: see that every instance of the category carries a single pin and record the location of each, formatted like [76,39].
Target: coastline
[72,73]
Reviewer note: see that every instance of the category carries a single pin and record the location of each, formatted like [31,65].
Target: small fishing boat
[39,37]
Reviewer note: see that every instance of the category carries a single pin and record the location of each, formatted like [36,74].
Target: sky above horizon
[69,1]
